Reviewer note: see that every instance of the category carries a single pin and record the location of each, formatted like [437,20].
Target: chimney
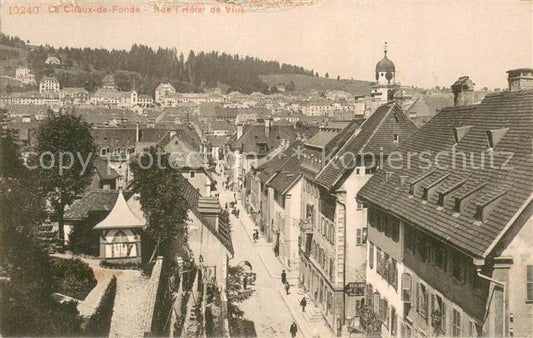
[268,123]
[520,79]
[463,91]
[239,130]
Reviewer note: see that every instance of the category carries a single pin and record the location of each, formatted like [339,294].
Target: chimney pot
[463,91]
[520,79]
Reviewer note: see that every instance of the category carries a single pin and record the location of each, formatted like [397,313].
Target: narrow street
[266,307]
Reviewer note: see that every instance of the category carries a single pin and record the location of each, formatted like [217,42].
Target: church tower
[385,86]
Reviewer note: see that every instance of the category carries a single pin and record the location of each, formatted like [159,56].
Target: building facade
[447,245]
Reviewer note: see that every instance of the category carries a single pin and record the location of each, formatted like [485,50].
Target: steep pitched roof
[255,134]
[321,139]
[287,175]
[427,106]
[114,137]
[505,190]
[104,171]
[196,203]
[92,201]
[330,148]
[375,136]
[121,217]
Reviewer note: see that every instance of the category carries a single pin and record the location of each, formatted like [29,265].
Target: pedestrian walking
[293,329]
[303,303]
[283,277]
[287,287]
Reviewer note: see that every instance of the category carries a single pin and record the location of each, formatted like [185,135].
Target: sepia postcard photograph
[266,168]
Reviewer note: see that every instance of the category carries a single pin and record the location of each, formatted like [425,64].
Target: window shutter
[406,287]
[358,237]
[417,296]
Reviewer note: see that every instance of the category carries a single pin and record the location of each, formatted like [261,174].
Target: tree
[235,290]
[290,87]
[161,190]
[370,321]
[65,161]
[26,304]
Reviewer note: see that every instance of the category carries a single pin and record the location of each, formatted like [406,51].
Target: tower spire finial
[385,48]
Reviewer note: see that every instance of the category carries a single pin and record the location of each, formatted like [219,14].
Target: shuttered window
[456,323]
[359,236]
[371,256]
[406,288]
[393,322]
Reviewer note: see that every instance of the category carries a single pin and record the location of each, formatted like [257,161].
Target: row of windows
[385,223]
[433,309]
[380,306]
[327,229]
[323,261]
[116,151]
[385,266]
[430,251]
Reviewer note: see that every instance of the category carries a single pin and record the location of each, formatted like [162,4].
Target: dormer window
[396,138]
[104,151]
[460,132]
[116,152]
[494,136]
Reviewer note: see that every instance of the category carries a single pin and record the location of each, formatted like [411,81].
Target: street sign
[355,289]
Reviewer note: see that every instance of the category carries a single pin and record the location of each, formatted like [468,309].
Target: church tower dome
[385,70]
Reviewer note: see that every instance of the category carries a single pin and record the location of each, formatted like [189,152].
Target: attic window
[494,136]
[396,138]
[460,132]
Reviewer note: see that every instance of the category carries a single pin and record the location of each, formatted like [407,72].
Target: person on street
[287,287]
[303,303]
[293,329]
[283,277]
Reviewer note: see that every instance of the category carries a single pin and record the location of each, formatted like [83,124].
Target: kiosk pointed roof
[121,217]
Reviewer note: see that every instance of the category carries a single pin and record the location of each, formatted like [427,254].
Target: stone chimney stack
[520,79]
[463,92]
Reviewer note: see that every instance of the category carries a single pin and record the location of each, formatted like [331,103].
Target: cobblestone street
[269,308]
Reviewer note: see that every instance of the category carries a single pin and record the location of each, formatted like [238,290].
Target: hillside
[305,83]
[10,58]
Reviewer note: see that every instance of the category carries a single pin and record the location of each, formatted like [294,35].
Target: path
[271,310]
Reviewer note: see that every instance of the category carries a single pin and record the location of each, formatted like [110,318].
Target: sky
[432,43]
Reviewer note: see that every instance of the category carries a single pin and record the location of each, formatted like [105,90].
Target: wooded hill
[143,68]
